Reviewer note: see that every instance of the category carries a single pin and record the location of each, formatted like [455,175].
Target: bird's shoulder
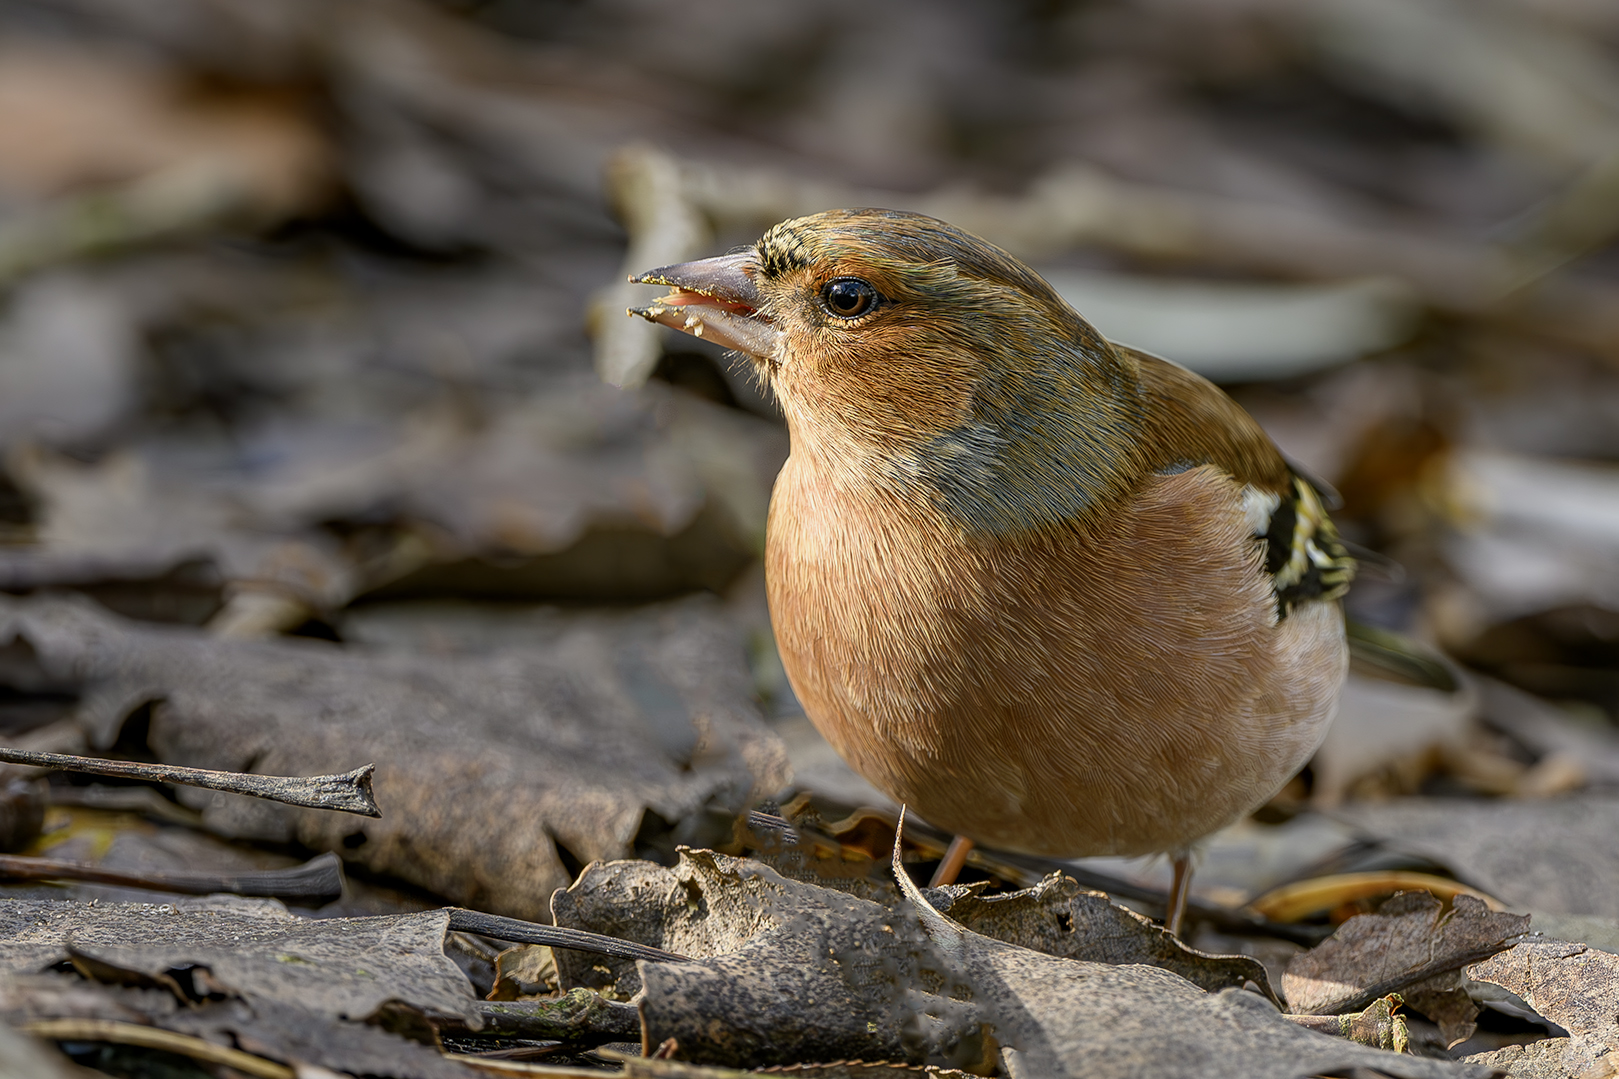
[1189,422]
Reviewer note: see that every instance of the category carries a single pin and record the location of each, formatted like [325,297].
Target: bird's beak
[715,299]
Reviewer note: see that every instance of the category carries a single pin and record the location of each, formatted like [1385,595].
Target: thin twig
[106,1030]
[349,792]
[320,879]
[579,1015]
[518,1067]
[556,936]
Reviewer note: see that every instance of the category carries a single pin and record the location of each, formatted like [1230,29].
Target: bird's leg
[1179,889]
[955,856]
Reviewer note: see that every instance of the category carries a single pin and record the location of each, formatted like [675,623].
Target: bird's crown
[922,250]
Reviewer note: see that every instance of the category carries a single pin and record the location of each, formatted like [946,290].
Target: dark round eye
[849,297]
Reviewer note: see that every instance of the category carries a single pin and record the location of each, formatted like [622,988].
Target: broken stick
[349,792]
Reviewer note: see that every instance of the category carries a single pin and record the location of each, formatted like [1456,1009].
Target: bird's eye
[849,297]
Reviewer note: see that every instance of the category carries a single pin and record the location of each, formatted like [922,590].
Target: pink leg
[1179,889]
[954,858]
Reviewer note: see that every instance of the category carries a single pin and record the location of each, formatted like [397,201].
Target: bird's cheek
[807,384]
[786,368]
[808,361]
[800,356]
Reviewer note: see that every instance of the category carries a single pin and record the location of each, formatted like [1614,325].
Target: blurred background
[311,315]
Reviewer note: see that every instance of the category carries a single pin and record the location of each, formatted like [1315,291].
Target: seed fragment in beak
[715,299]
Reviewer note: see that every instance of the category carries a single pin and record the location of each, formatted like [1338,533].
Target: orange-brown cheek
[886,387]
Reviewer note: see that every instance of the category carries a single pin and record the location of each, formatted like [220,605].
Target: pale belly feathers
[1064,695]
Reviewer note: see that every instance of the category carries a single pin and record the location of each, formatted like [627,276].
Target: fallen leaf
[1573,986]
[787,971]
[607,493]
[346,968]
[527,970]
[1377,1025]
[577,1015]
[580,492]
[1412,946]
[263,1026]
[486,765]
[1072,1018]
[1060,918]
[299,1036]
[635,900]
[125,510]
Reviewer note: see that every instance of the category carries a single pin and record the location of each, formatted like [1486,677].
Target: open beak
[714,299]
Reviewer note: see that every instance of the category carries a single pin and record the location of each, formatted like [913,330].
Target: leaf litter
[304,317]
[1410,946]
[567,748]
[1571,985]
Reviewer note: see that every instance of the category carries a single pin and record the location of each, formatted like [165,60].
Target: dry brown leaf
[345,968]
[1573,986]
[113,837]
[1060,918]
[590,458]
[524,971]
[584,492]
[263,1026]
[786,971]
[1409,946]
[1071,1018]
[1056,916]
[486,765]
[844,1069]
[655,1068]
[125,511]
[698,908]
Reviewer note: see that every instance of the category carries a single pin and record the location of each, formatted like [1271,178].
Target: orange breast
[1066,694]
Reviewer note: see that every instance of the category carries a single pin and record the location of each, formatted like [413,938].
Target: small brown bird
[1059,596]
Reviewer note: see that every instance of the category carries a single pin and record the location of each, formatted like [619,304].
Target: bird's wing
[1192,422]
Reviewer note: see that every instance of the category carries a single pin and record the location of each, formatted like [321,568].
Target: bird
[1057,595]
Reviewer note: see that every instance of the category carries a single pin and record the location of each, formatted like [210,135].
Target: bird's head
[905,348]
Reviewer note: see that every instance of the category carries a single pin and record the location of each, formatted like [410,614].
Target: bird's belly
[1064,698]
